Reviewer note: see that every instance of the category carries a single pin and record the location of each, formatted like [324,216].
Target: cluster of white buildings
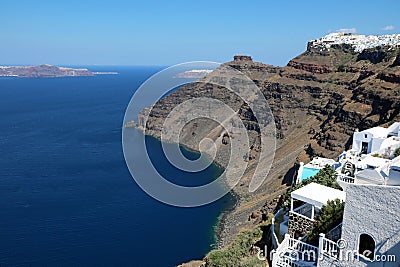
[357,41]
[369,235]
[373,156]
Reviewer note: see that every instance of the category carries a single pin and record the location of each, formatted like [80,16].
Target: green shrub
[252,262]
[329,217]
[218,258]
[397,152]
[238,252]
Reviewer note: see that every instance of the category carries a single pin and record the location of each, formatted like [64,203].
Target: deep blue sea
[66,195]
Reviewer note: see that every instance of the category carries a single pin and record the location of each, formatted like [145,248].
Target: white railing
[305,251]
[278,255]
[346,179]
[283,246]
[294,253]
[328,247]
[275,240]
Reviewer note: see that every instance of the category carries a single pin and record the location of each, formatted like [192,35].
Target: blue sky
[169,32]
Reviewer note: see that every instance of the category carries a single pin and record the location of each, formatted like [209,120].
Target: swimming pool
[308,172]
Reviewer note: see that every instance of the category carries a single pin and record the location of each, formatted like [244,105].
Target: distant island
[46,71]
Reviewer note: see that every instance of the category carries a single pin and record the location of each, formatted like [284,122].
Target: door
[364,148]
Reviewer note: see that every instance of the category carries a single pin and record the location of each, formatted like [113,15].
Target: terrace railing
[346,179]
[295,253]
[327,247]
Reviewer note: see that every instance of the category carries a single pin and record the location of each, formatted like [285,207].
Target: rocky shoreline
[221,233]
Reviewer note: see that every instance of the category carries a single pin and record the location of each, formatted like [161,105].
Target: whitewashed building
[369,233]
[359,42]
[376,139]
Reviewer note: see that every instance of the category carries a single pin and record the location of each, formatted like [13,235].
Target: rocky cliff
[317,100]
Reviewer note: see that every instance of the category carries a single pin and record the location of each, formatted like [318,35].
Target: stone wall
[298,225]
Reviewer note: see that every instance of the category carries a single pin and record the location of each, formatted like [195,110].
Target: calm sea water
[66,195]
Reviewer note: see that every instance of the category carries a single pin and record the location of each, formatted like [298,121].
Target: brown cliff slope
[317,100]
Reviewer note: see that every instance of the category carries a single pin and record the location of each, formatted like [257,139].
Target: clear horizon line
[100,65]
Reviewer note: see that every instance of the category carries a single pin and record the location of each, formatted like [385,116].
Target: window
[366,246]
[365,136]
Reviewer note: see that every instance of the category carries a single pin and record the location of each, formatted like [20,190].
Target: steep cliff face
[317,100]
[340,91]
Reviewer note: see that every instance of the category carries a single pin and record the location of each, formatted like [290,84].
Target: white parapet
[300,172]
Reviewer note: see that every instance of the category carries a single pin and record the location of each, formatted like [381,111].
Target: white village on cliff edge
[359,42]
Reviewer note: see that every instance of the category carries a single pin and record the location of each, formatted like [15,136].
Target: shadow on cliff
[290,176]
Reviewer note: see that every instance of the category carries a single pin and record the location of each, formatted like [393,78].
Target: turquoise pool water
[308,172]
